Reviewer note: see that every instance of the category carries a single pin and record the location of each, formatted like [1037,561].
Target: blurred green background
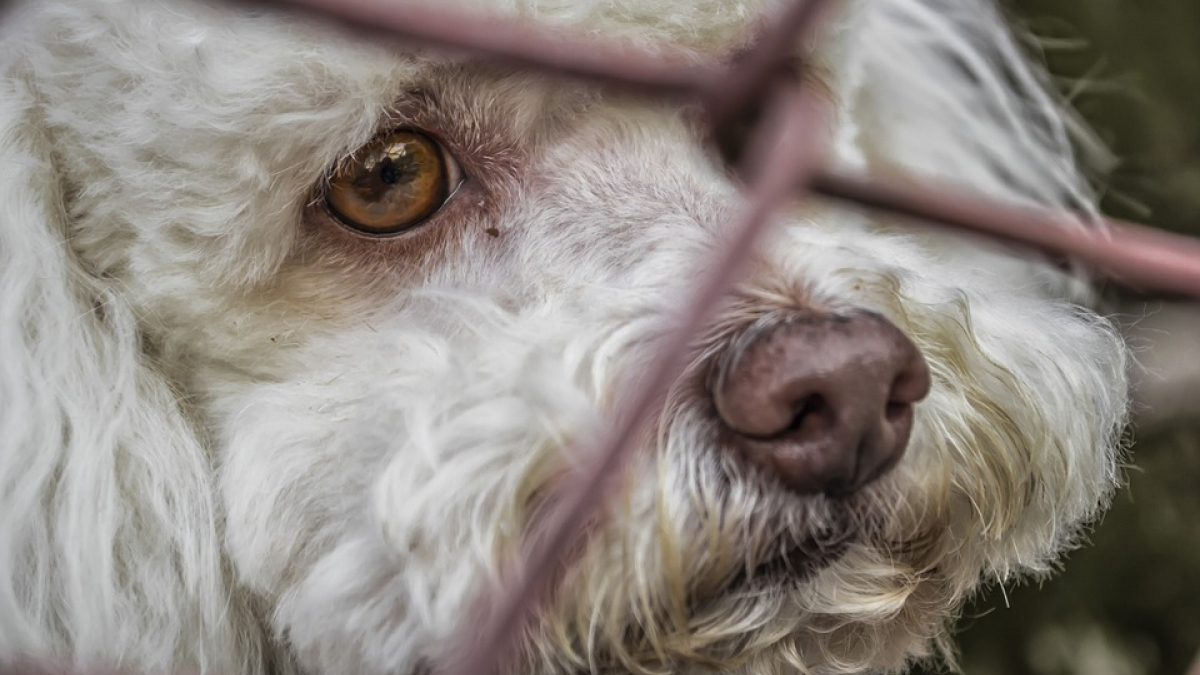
[1129,604]
[1132,68]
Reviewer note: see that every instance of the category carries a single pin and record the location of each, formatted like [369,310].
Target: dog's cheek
[355,612]
[300,471]
[378,486]
[1067,405]
[1017,444]
[293,476]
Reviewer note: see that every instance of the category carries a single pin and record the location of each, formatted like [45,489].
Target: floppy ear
[109,545]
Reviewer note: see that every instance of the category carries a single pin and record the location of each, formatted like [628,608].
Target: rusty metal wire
[784,159]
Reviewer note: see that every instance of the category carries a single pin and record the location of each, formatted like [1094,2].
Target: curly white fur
[237,438]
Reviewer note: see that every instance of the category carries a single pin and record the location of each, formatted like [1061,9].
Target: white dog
[299,335]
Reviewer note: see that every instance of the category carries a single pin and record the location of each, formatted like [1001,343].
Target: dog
[301,334]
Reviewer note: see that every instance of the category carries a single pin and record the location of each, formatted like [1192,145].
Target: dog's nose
[824,401]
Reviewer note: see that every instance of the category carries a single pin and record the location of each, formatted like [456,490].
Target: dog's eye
[392,184]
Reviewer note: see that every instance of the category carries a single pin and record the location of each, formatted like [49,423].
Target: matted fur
[238,438]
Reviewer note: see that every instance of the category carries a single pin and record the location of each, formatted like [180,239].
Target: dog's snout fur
[824,401]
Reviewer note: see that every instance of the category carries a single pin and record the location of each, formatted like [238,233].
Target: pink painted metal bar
[783,152]
[787,152]
[1133,254]
[750,77]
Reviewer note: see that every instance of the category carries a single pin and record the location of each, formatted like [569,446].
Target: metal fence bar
[783,154]
[1133,254]
[749,79]
[788,154]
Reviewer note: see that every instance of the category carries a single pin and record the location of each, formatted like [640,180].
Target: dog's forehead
[234,52]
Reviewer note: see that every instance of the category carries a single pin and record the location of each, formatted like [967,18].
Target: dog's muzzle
[823,401]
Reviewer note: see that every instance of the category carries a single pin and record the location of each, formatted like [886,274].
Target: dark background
[1129,604]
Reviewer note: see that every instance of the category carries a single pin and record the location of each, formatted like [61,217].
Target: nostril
[894,410]
[823,401]
[811,417]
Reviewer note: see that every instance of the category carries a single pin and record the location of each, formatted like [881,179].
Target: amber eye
[391,184]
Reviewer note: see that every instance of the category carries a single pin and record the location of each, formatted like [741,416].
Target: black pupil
[389,173]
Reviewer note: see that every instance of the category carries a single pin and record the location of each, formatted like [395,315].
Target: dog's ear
[107,514]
